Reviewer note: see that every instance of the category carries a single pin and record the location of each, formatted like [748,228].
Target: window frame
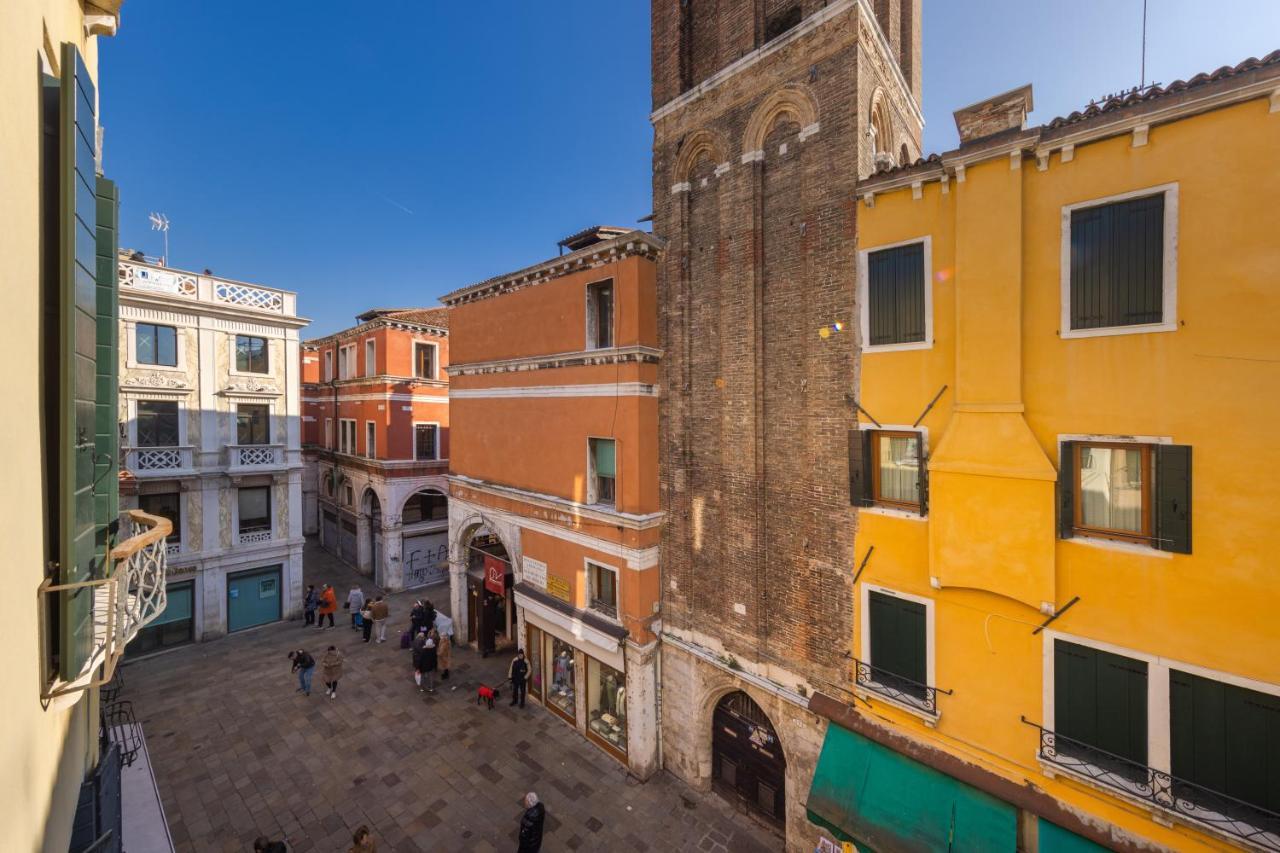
[864,296]
[347,355]
[889,503]
[370,357]
[132,343]
[930,641]
[610,611]
[328,365]
[134,413]
[235,348]
[239,521]
[435,360]
[328,434]
[370,439]
[1147,536]
[592,291]
[236,423]
[342,434]
[593,487]
[436,451]
[1169,279]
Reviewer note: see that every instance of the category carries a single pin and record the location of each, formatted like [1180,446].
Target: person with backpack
[305,665]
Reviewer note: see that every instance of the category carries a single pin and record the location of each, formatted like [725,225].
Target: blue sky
[384,159]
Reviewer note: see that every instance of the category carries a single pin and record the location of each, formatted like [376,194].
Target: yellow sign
[559,587]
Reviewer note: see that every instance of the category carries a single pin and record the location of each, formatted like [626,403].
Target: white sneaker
[332,695]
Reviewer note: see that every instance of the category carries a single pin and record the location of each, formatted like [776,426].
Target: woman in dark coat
[425,661]
[418,618]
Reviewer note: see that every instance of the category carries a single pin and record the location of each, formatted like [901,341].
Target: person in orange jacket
[328,606]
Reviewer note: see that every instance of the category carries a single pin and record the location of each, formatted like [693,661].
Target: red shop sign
[495,575]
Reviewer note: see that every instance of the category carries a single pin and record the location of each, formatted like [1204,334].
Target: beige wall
[43,752]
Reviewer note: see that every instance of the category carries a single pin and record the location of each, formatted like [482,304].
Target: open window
[888,468]
[602,474]
[424,360]
[600,315]
[1127,492]
[602,589]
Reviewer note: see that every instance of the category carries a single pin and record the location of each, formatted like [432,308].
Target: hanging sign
[495,575]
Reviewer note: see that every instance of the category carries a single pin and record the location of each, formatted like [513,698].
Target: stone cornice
[627,520]
[582,358]
[366,328]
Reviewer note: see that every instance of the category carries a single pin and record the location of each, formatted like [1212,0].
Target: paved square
[238,753]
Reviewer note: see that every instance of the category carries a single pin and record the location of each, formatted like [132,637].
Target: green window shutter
[898,639]
[602,451]
[1173,498]
[860,463]
[895,294]
[1225,738]
[1117,264]
[1100,700]
[106,490]
[1066,489]
[922,474]
[77,214]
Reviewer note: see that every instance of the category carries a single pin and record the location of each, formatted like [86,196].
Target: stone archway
[372,544]
[748,766]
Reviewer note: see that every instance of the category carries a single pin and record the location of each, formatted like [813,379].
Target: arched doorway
[747,766]
[424,544]
[490,606]
[373,511]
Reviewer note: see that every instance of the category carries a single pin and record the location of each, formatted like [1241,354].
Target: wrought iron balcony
[253,457]
[130,595]
[899,688]
[1196,803]
[158,461]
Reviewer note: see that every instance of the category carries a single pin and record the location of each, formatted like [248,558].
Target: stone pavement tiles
[238,753]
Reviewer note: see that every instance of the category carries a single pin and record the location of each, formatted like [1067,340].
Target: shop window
[425,437]
[603,471]
[602,589]
[607,705]
[255,509]
[424,361]
[253,422]
[156,345]
[533,651]
[600,315]
[562,691]
[251,354]
[157,423]
[173,627]
[166,505]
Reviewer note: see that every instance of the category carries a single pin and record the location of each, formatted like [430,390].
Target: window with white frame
[347,436]
[602,473]
[328,365]
[1119,263]
[254,504]
[600,314]
[370,358]
[896,296]
[347,362]
[371,439]
[897,653]
[602,589]
[424,360]
[157,423]
[328,433]
[251,354]
[426,441]
[155,344]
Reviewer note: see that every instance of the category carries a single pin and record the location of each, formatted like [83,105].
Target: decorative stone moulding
[250,386]
[151,380]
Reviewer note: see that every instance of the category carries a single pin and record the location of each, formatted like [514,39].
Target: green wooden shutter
[895,294]
[1225,738]
[77,214]
[860,467]
[898,638]
[1066,489]
[1173,498]
[602,451]
[106,490]
[1117,263]
[922,474]
[1100,700]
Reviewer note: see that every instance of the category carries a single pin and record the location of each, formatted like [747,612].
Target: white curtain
[899,469]
[1111,488]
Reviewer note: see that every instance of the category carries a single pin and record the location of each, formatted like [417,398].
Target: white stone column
[392,567]
[364,552]
[458,599]
[642,708]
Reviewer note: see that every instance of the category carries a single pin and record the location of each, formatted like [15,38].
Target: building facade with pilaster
[210,430]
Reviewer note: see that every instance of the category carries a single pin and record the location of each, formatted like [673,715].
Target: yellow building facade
[1066,596]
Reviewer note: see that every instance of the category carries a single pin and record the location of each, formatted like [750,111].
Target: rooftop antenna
[160,222]
[1142,84]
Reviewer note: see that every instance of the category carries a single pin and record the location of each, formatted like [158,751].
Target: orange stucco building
[553,504]
[375,412]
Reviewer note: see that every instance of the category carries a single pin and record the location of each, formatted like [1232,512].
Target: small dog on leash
[486,695]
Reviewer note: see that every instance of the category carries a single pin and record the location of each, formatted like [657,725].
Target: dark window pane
[425,441]
[156,344]
[157,423]
[425,506]
[167,505]
[423,361]
[255,508]
[1117,264]
[251,354]
[252,423]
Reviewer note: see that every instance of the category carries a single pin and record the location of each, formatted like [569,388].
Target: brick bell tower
[766,113]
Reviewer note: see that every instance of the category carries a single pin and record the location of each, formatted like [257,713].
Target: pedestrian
[518,672]
[362,841]
[366,620]
[417,618]
[429,611]
[328,606]
[380,613]
[426,661]
[262,844]
[355,603]
[305,665]
[309,605]
[531,824]
[331,669]
[442,653]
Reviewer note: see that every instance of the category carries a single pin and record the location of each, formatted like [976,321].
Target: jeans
[518,690]
[304,679]
[380,626]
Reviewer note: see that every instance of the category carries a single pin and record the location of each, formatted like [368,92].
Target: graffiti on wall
[426,559]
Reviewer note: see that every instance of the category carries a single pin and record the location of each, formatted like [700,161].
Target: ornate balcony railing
[899,688]
[249,535]
[243,456]
[129,596]
[1225,814]
[157,461]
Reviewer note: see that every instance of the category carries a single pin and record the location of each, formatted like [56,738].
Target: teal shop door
[253,598]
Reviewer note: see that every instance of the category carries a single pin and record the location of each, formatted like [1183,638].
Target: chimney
[994,115]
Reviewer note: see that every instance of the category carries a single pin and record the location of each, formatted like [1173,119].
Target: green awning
[879,799]
[1055,839]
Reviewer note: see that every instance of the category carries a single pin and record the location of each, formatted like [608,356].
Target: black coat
[531,828]
[424,660]
[303,661]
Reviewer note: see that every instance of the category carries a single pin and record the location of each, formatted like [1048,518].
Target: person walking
[331,669]
[426,661]
[328,606]
[362,841]
[442,653]
[309,605]
[355,603]
[535,814]
[417,618]
[380,613]
[429,614]
[518,672]
[366,620]
[305,665]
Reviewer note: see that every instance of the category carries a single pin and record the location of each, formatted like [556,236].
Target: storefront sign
[535,572]
[559,587]
[495,575]
[426,559]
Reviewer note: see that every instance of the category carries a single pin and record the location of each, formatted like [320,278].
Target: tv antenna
[160,222]
[1142,84]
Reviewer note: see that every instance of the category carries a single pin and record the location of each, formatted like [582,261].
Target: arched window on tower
[880,135]
[904,156]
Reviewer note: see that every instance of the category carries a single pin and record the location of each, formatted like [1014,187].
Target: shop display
[561,692]
[607,704]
